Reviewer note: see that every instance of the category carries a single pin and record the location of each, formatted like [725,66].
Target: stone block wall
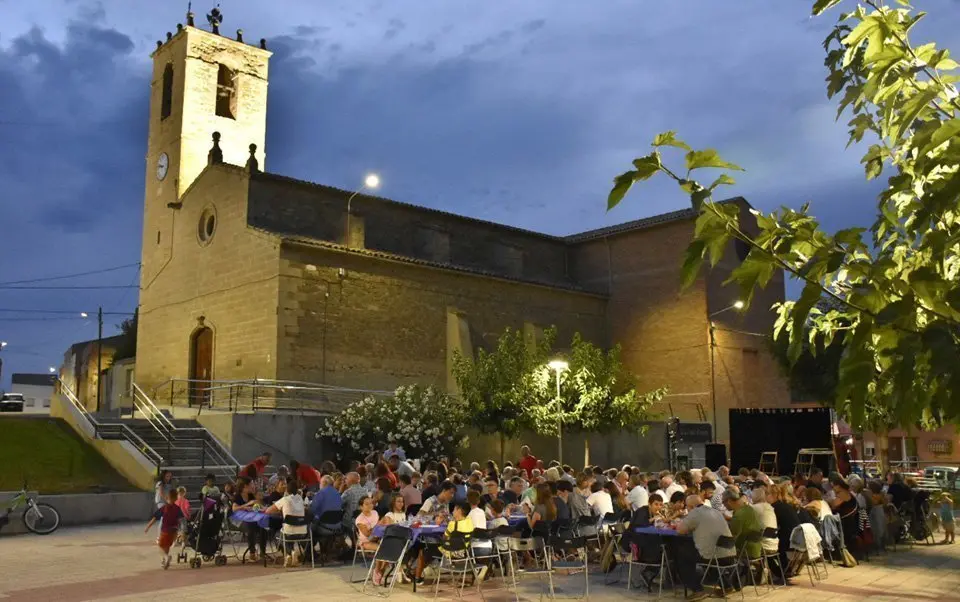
[230,283]
[378,324]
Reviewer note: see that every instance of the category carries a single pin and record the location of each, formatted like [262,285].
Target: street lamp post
[559,366]
[2,345]
[737,305]
[371,182]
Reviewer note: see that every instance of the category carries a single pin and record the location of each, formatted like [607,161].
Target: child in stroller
[204,535]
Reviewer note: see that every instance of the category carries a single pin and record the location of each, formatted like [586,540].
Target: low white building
[37,389]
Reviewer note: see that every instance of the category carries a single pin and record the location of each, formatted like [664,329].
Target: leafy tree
[127,346]
[896,293]
[497,386]
[596,395]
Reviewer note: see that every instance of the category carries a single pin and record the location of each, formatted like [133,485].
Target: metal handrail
[172,433]
[165,423]
[126,432]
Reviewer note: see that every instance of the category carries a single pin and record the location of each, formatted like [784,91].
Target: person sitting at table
[351,497]
[705,524]
[768,518]
[365,522]
[291,504]
[327,498]
[411,495]
[382,471]
[245,500]
[600,500]
[676,508]
[545,509]
[439,504]
[514,490]
[637,495]
[381,496]
[708,489]
[818,508]
[396,511]
[744,522]
[491,491]
[617,497]
[476,515]
[645,515]
[282,473]
[787,520]
[576,500]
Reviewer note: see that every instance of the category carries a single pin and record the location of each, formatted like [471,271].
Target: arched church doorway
[201,365]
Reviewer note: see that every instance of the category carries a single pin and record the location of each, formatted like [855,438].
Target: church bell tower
[203,82]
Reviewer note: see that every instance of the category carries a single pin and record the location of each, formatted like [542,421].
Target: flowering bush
[425,422]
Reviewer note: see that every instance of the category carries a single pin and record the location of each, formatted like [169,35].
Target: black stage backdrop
[786,431]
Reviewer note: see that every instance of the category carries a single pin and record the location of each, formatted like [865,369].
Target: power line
[77,312]
[66,276]
[64,288]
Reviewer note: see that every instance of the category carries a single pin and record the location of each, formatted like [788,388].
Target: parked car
[945,476]
[11,402]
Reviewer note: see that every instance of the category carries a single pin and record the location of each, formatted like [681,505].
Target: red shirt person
[259,464]
[527,460]
[306,475]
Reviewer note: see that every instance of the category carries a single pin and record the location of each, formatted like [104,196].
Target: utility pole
[99,353]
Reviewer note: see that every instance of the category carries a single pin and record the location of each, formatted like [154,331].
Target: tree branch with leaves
[894,284]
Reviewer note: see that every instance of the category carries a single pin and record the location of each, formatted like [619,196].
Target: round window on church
[207,225]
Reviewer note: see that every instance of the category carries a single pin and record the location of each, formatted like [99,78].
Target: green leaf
[861,32]
[911,109]
[755,271]
[822,5]
[708,158]
[692,261]
[647,166]
[621,185]
[808,298]
[669,138]
[724,179]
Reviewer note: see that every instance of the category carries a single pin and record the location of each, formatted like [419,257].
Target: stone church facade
[250,274]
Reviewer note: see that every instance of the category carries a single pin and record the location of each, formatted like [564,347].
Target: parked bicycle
[39,518]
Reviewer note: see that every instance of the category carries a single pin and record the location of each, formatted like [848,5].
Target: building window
[869,451]
[207,226]
[166,102]
[226,92]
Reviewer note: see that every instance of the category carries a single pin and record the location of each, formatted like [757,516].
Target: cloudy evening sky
[516,112]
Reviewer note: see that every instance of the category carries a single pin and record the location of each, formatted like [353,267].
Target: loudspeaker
[716,455]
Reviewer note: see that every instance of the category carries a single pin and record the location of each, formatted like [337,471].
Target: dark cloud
[519,113]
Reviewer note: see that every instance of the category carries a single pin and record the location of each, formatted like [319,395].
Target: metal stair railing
[210,446]
[111,430]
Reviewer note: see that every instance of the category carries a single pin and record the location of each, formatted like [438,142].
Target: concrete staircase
[189,451]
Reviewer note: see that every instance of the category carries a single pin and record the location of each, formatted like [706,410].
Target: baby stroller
[916,515]
[204,535]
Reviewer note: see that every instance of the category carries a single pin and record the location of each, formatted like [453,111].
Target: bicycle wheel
[42,519]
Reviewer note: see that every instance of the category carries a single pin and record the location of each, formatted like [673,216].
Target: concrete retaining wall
[87,509]
[285,436]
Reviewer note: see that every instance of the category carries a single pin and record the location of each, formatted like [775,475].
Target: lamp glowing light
[738,304]
[372,181]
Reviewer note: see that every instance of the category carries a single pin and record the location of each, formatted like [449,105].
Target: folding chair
[393,547]
[588,527]
[755,537]
[807,557]
[298,539]
[621,550]
[502,538]
[359,552]
[771,533]
[455,560]
[723,566]
[327,528]
[485,552]
[633,543]
[572,552]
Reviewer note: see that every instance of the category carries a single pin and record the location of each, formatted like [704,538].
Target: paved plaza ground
[120,562]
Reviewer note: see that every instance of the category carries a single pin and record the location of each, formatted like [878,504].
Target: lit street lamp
[737,305]
[371,182]
[559,366]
